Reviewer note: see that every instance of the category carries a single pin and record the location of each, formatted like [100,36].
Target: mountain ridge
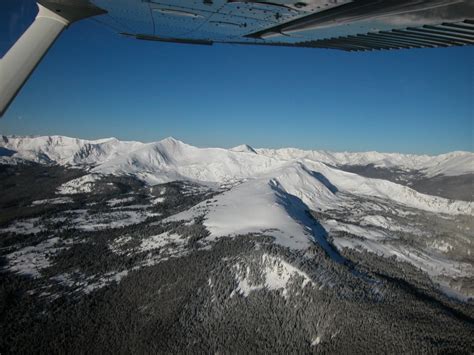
[73,151]
[277,191]
[170,159]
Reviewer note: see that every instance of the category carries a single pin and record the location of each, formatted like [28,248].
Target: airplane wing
[349,25]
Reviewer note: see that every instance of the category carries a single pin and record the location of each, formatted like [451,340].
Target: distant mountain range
[283,190]
[170,160]
[111,151]
[72,151]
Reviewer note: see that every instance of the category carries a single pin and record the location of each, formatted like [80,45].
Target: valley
[164,247]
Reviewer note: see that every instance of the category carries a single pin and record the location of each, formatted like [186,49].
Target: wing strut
[25,55]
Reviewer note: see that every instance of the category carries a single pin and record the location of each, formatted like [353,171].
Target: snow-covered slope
[279,201]
[275,203]
[66,151]
[302,174]
[450,164]
[244,148]
[72,151]
[362,186]
[171,159]
[272,191]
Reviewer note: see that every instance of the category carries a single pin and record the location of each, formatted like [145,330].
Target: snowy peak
[244,148]
[65,150]
[72,151]
[172,147]
[171,142]
[171,159]
[308,175]
[275,201]
[450,164]
[296,197]
[49,149]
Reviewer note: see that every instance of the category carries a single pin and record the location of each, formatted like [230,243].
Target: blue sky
[95,83]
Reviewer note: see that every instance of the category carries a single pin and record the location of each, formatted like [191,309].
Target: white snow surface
[244,148]
[359,185]
[269,191]
[118,201]
[277,274]
[304,174]
[276,202]
[53,201]
[65,150]
[24,226]
[271,187]
[449,164]
[83,184]
[170,159]
[30,260]
[168,152]
[433,265]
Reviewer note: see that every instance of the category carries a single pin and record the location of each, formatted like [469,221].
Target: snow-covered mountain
[450,164]
[65,150]
[264,190]
[171,159]
[72,151]
[244,148]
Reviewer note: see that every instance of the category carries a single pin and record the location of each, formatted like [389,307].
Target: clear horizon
[95,83]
